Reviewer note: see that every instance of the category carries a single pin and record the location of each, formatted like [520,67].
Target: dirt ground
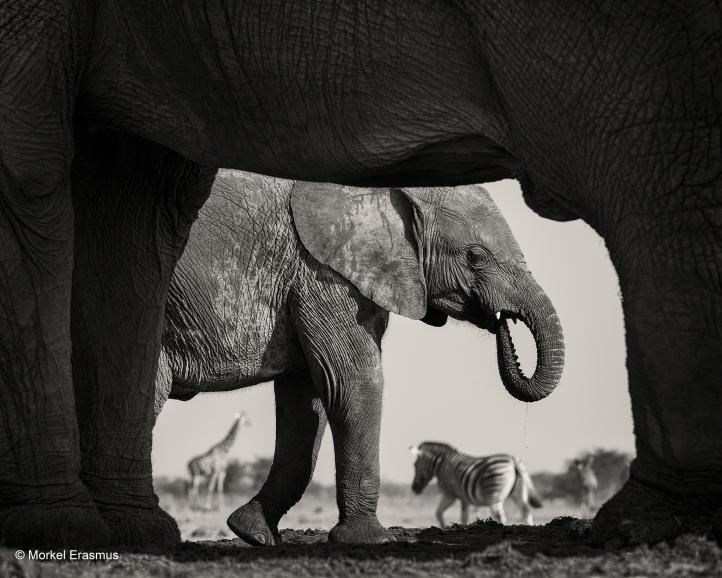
[481,549]
[484,548]
[320,513]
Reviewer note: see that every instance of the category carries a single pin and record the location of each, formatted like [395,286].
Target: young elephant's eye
[477,255]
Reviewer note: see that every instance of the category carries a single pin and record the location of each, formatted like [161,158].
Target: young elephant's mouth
[505,342]
[491,322]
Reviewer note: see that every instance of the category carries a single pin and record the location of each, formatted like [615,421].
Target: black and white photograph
[329,288]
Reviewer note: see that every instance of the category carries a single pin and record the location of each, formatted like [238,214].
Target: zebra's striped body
[475,481]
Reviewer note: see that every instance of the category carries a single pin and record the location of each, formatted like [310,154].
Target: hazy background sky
[443,384]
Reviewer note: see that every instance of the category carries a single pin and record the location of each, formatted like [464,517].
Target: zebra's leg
[520,496]
[497,512]
[464,512]
[592,507]
[446,502]
[523,503]
[300,424]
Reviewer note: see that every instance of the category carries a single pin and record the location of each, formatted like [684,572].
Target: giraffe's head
[242,418]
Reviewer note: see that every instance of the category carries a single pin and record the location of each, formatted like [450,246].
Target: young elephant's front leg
[300,423]
[341,336]
[354,413]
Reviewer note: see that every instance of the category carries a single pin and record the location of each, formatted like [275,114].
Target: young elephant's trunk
[541,319]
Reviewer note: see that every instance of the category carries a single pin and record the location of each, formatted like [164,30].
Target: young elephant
[294,283]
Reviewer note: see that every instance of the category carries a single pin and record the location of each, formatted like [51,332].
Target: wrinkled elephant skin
[606,110]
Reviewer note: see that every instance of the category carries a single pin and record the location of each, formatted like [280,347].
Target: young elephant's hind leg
[300,423]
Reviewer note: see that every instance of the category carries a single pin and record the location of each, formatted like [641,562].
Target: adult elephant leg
[300,424]
[134,204]
[669,275]
[43,503]
[42,500]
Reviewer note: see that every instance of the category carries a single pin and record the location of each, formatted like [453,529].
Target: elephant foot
[142,528]
[54,516]
[251,525]
[642,514]
[360,531]
[53,527]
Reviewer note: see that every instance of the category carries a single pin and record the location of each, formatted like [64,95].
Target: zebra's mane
[436,448]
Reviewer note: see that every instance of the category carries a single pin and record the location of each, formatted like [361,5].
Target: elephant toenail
[387,540]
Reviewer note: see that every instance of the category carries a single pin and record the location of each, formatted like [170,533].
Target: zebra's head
[428,456]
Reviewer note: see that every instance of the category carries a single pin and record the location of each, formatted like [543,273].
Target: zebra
[476,481]
[588,482]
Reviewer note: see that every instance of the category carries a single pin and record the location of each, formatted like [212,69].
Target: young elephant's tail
[528,491]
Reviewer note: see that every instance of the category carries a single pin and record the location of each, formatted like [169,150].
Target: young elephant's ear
[370,236]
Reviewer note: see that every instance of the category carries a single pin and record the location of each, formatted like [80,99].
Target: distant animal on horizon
[211,467]
[293,282]
[588,482]
[475,481]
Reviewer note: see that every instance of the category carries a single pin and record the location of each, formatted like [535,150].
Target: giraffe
[588,482]
[211,466]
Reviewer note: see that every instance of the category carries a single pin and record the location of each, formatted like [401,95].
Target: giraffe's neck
[225,444]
